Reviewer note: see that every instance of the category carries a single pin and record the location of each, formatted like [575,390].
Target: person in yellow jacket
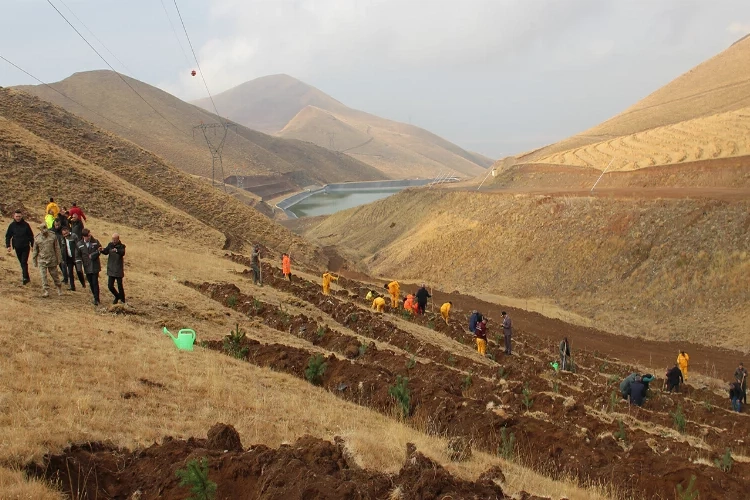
[445,309]
[394,289]
[682,360]
[378,304]
[327,278]
[52,209]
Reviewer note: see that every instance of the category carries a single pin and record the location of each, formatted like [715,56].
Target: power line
[196,60]
[187,59]
[113,69]
[97,39]
[61,93]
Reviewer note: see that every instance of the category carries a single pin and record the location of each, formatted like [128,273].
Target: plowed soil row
[308,468]
[558,435]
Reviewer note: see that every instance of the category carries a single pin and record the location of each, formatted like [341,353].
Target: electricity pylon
[215,145]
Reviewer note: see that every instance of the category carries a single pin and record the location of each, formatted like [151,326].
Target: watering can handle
[193,336]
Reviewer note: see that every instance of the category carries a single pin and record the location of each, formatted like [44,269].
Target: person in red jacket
[75,210]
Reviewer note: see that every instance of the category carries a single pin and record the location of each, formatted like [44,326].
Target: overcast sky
[494,76]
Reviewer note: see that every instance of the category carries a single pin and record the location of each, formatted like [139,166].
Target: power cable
[113,69]
[97,39]
[61,93]
[196,62]
[177,37]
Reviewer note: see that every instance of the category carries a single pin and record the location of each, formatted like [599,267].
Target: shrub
[411,363]
[284,316]
[467,382]
[316,368]
[232,301]
[725,462]
[621,435]
[613,400]
[502,372]
[688,493]
[527,401]
[708,406]
[233,343]
[431,324]
[507,447]
[321,332]
[195,477]
[555,387]
[256,306]
[362,349]
[451,360]
[678,417]
[353,318]
[400,392]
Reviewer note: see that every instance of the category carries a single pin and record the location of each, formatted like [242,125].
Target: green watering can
[555,365]
[184,339]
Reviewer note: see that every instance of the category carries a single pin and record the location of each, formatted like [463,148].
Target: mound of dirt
[308,468]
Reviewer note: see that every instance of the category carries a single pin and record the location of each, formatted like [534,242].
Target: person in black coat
[637,392]
[674,379]
[422,296]
[88,250]
[115,267]
[20,237]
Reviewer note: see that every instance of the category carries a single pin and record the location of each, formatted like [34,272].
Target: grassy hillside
[137,168]
[246,152]
[657,268]
[293,109]
[701,114]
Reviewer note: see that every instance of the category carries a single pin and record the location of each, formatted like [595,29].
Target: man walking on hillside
[70,256]
[674,378]
[20,238]
[76,226]
[74,210]
[422,296]
[255,265]
[115,250]
[740,374]
[47,256]
[57,230]
[327,278]
[507,332]
[88,250]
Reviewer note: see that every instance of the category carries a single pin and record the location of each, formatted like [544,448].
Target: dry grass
[64,376]
[652,269]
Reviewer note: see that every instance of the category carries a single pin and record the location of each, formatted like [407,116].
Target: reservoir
[329,202]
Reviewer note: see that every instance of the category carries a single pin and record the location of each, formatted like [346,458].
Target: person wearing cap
[88,249]
[47,256]
[422,295]
[255,265]
[74,210]
[20,237]
[115,250]
[507,332]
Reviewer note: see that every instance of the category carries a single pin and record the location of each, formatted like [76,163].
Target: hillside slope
[246,152]
[700,115]
[650,269]
[284,105]
[139,168]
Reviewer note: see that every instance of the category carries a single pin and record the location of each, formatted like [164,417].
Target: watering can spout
[167,332]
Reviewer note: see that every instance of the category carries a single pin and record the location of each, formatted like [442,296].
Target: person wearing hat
[20,237]
[47,257]
[255,265]
[88,249]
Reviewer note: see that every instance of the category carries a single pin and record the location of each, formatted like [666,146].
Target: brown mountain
[290,108]
[246,152]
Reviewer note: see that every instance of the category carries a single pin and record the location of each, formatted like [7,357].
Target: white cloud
[739,28]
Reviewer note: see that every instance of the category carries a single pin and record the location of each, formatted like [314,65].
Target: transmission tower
[215,144]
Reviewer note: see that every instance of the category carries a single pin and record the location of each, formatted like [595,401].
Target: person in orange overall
[409,302]
[378,304]
[481,335]
[445,309]
[682,360]
[394,289]
[327,278]
[286,266]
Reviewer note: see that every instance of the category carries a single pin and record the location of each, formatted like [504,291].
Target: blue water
[335,201]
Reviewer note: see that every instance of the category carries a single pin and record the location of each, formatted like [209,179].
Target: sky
[498,77]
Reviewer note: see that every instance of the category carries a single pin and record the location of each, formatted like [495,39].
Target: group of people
[478,327]
[64,247]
